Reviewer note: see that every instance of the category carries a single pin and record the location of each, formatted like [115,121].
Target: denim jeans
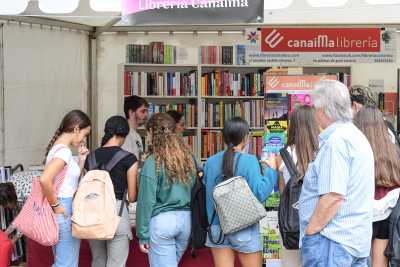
[66,252]
[169,238]
[319,251]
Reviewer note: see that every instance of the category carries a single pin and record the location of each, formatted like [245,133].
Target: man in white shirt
[136,111]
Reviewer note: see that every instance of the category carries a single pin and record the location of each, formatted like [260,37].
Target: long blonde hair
[169,150]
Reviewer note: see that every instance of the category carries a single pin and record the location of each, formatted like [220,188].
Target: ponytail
[107,136]
[235,132]
[227,163]
[51,143]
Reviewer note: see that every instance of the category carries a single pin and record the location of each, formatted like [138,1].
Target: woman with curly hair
[163,221]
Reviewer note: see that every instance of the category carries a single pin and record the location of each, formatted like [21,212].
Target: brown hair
[169,149]
[69,122]
[386,155]
[303,135]
[8,196]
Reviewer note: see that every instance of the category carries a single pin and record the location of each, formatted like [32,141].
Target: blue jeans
[66,252]
[169,238]
[319,251]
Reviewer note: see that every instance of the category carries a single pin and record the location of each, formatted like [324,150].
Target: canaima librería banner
[151,12]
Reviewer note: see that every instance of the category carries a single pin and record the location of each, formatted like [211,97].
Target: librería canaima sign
[157,4]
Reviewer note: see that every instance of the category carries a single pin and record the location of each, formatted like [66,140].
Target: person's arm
[83,152]
[145,204]
[55,166]
[333,176]
[132,182]
[261,183]
[327,207]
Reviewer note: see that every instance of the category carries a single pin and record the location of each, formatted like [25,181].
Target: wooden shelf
[233,97]
[220,128]
[168,97]
[160,65]
[233,66]
[186,129]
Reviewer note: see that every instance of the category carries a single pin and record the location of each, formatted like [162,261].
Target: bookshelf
[198,130]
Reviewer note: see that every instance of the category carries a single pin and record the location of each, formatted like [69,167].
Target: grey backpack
[235,204]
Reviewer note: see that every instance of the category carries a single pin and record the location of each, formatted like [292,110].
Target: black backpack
[199,213]
[288,213]
[392,251]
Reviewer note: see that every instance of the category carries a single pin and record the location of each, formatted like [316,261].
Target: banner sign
[147,12]
[309,46]
[294,83]
[321,40]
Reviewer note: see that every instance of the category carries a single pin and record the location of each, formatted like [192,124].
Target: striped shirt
[343,165]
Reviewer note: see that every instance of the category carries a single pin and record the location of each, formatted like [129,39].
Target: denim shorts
[244,241]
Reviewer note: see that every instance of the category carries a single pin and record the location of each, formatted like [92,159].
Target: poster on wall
[308,46]
[183,12]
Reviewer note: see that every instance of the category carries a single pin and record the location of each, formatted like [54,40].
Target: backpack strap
[116,159]
[92,162]
[289,163]
[237,165]
[199,171]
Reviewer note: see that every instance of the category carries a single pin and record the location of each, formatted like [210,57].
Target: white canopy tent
[63,51]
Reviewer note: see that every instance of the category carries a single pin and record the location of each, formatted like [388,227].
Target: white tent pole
[106,28]
[48,22]
[2,101]
[92,91]
[231,27]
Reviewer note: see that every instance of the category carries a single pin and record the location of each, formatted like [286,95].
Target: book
[297,100]
[152,53]
[225,83]
[276,106]
[240,55]
[189,111]
[215,114]
[212,143]
[160,83]
[216,55]
[275,137]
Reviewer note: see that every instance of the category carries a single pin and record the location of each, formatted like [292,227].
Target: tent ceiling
[276,12]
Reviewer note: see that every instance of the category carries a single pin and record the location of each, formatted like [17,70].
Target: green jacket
[157,195]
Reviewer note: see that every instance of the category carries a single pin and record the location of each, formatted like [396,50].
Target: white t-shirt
[283,169]
[71,180]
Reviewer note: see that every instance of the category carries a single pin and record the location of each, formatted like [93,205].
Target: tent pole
[92,91]
[2,101]
[48,22]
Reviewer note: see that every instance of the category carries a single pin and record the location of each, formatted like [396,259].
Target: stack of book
[225,83]
[215,114]
[216,55]
[160,83]
[188,110]
[153,53]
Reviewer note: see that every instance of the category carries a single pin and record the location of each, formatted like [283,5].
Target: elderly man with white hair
[338,188]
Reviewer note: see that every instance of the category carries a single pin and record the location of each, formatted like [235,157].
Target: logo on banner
[295,83]
[273,82]
[321,40]
[273,39]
